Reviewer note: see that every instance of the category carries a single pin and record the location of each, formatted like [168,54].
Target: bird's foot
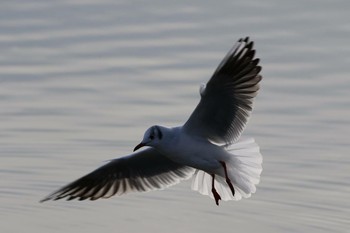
[216,196]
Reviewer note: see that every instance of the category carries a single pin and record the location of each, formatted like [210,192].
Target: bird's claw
[216,196]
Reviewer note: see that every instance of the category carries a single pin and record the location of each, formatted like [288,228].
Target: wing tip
[44,200]
[244,39]
[51,197]
[242,52]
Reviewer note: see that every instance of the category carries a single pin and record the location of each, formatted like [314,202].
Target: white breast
[194,152]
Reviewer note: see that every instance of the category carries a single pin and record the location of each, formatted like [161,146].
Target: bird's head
[152,137]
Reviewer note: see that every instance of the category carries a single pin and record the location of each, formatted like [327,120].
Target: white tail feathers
[243,168]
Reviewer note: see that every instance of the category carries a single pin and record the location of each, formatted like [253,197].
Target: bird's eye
[151,137]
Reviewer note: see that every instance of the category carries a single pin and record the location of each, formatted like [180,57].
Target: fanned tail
[243,167]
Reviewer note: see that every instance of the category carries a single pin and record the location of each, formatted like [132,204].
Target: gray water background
[80,81]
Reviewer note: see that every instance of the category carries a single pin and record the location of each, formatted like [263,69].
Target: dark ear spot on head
[159,133]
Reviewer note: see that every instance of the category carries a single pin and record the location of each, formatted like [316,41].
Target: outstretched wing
[226,100]
[142,171]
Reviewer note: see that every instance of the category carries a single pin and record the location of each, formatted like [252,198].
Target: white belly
[197,153]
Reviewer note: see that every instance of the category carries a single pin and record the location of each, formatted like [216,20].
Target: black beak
[139,146]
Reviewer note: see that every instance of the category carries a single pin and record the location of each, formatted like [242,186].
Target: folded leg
[228,181]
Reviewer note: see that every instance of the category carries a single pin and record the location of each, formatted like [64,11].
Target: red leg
[228,181]
[213,190]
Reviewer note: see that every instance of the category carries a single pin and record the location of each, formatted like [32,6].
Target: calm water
[80,82]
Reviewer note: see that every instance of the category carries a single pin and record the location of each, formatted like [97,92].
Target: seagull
[208,148]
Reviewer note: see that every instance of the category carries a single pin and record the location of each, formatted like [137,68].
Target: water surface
[80,82]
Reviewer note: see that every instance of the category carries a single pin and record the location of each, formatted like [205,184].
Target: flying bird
[208,147]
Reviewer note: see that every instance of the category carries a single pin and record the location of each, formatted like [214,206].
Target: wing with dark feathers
[227,99]
[141,171]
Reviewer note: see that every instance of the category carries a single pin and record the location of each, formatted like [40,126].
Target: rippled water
[80,82]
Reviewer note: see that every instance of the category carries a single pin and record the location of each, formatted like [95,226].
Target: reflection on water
[80,82]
